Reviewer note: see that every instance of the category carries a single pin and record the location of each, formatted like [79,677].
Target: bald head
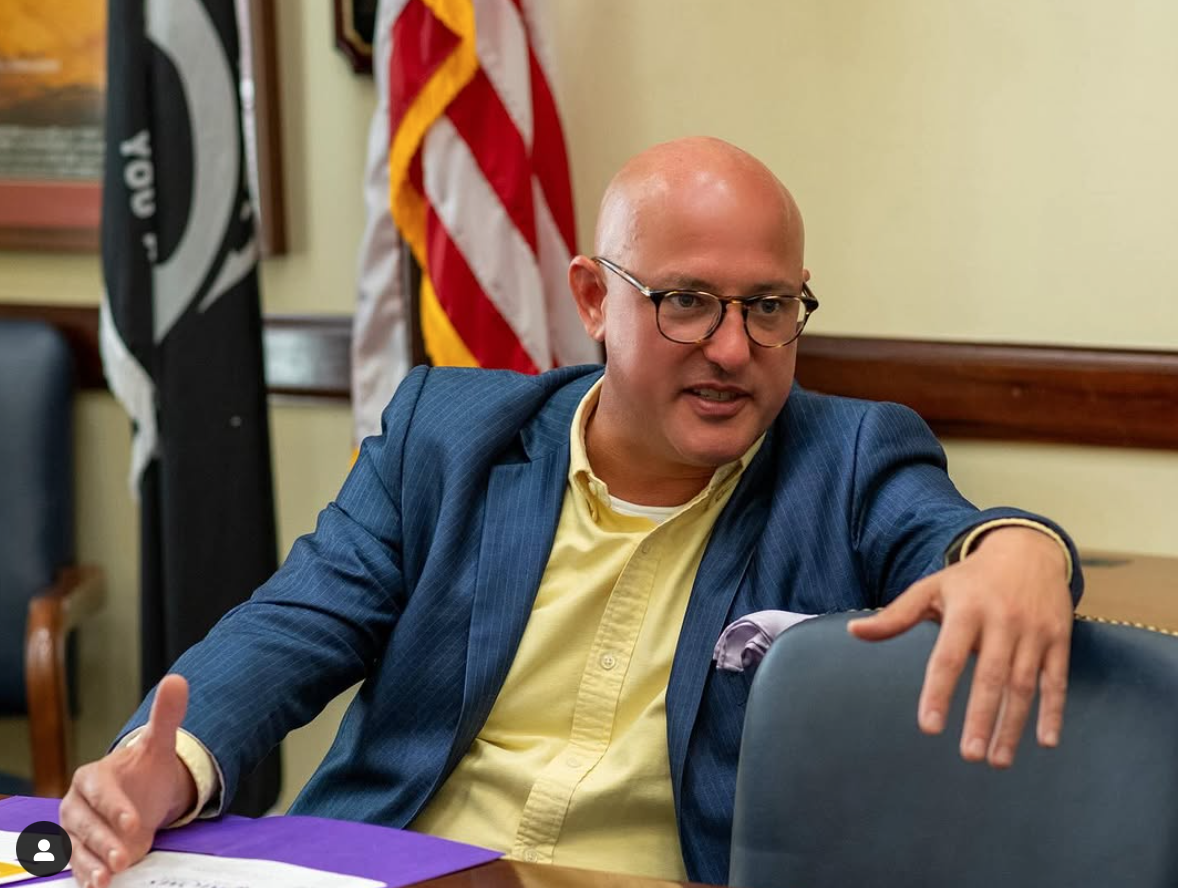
[682,176]
[693,214]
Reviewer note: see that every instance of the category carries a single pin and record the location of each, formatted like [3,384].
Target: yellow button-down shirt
[571,766]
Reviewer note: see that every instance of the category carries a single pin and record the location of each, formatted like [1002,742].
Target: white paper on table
[175,869]
[8,859]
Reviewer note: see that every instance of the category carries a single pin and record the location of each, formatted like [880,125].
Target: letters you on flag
[180,325]
[467,166]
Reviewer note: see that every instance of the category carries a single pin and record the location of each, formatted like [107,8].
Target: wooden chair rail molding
[1110,397]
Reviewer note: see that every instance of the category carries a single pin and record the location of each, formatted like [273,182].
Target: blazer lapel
[521,513]
[724,564]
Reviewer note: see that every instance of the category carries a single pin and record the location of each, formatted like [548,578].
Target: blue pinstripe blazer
[420,577]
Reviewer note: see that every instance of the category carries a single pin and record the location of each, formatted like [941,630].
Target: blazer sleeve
[906,512]
[271,664]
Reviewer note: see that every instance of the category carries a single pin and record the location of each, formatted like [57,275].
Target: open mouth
[715,394]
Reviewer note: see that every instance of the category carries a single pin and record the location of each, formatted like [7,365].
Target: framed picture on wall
[52,109]
[355,25]
[260,112]
[52,83]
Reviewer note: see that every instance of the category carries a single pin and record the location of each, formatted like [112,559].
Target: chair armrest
[53,613]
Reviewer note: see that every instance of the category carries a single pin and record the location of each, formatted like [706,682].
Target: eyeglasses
[771,320]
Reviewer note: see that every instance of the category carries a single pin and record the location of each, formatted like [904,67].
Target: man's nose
[729,346]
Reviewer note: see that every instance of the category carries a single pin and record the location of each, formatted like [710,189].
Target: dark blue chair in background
[837,787]
[43,595]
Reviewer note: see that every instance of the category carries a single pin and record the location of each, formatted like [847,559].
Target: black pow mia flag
[180,326]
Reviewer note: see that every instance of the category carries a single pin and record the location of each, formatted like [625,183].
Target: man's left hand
[1008,600]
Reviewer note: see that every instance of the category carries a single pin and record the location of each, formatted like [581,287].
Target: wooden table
[1130,588]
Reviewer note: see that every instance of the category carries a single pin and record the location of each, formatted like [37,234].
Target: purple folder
[393,856]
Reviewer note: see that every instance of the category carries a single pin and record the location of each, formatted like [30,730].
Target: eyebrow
[692,283]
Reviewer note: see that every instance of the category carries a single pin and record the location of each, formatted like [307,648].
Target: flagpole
[411,277]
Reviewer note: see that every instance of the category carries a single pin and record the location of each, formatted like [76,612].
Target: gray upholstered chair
[837,786]
[42,594]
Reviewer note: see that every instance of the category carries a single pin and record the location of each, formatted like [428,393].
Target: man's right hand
[115,805]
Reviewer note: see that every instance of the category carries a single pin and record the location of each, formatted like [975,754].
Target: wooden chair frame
[53,614]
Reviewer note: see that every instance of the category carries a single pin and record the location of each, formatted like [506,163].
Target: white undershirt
[657,514]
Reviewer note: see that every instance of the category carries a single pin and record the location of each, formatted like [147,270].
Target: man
[529,574]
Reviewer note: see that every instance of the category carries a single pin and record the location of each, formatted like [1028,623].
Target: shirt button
[573,762]
[608,661]
[530,855]
[645,548]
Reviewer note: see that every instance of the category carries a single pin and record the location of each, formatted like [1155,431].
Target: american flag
[478,182]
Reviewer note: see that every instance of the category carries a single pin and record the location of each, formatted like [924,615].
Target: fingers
[88,871]
[98,818]
[1008,670]
[109,810]
[1009,602]
[915,605]
[948,658]
[78,819]
[1053,686]
[100,795]
[167,712]
[1000,697]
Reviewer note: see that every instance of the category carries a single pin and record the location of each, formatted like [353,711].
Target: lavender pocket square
[743,643]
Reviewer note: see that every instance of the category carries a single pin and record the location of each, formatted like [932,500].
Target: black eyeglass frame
[806,297]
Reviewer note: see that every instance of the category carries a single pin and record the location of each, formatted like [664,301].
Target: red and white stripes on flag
[478,182]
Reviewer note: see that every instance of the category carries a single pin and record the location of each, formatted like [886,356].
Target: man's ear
[588,287]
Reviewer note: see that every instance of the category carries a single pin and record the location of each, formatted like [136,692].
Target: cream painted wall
[976,169]
[983,169]
[1108,499]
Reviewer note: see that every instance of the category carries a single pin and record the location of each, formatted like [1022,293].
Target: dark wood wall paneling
[965,390]
[1109,397]
[307,356]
